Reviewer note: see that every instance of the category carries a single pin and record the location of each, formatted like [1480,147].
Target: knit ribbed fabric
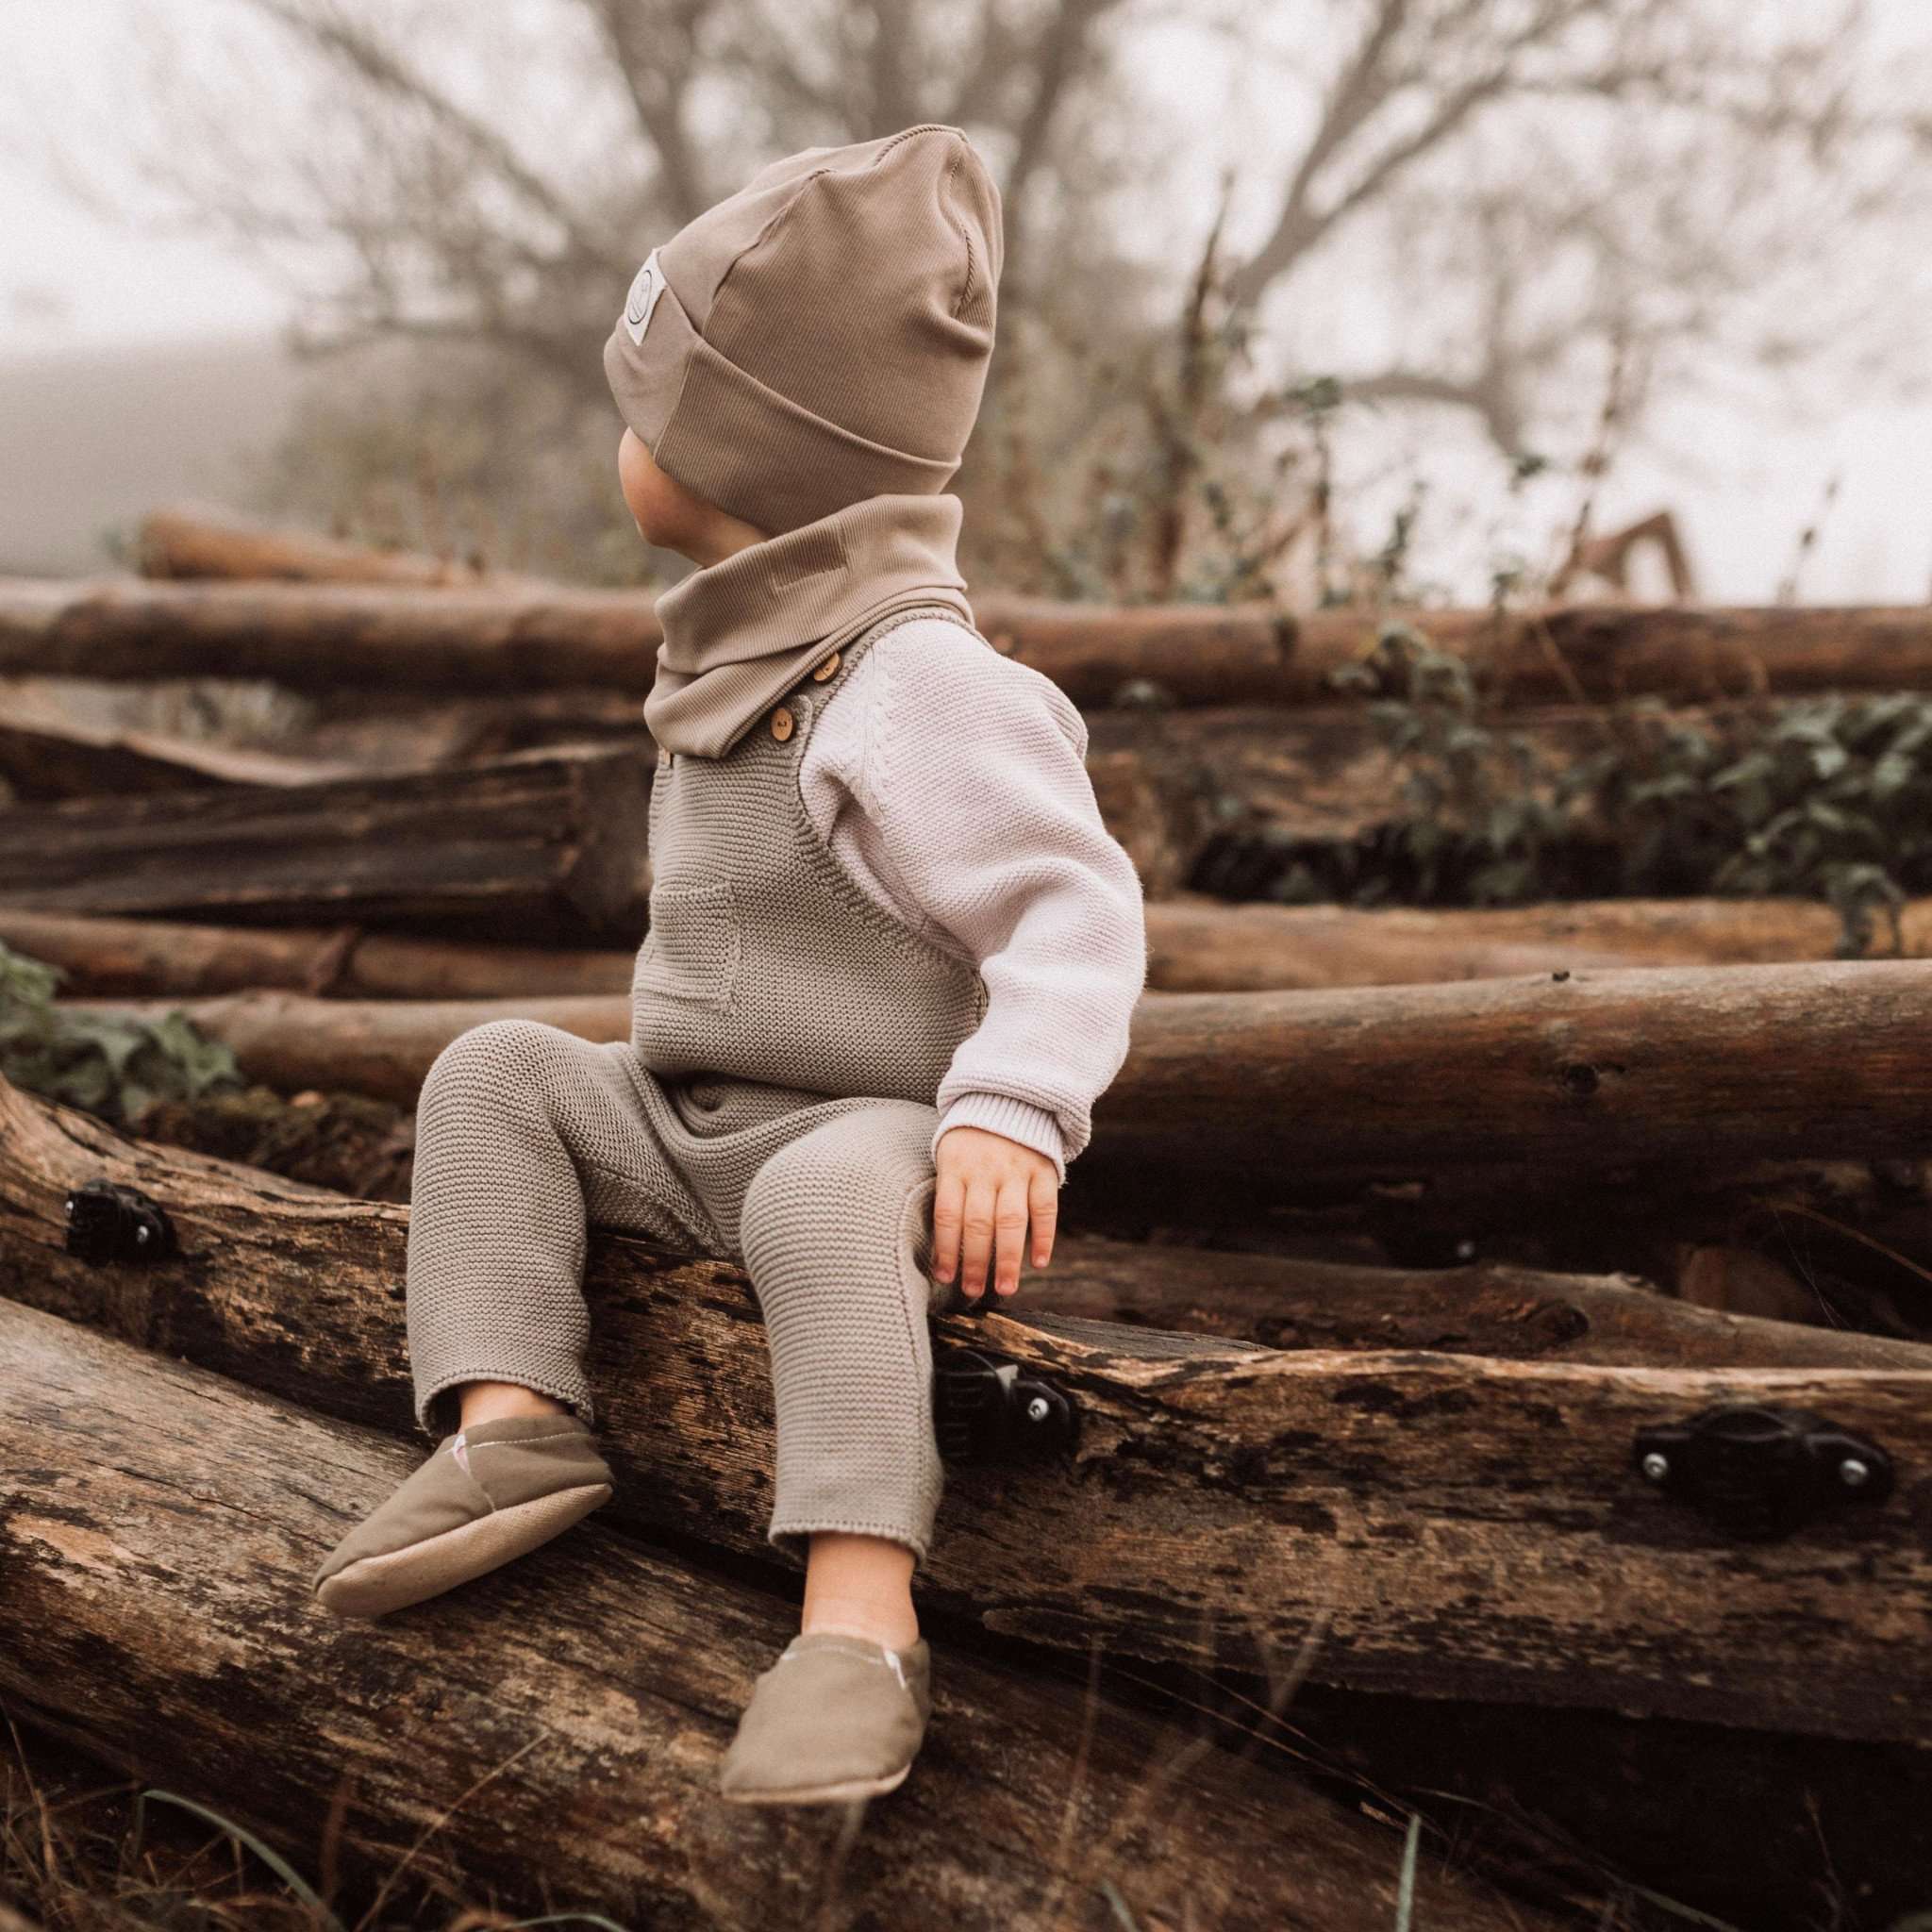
[740,632]
[773,1103]
[765,961]
[822,335]
[952,783]
[526,1135]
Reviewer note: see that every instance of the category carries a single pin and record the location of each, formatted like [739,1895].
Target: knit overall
[774,1106]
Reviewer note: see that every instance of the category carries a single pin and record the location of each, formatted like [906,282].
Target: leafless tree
[494,174]
[1557,175]
[1537,187]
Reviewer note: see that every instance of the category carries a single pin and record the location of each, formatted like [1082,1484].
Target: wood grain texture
[528,844]
[1195,944]
[1700,1063]
[148,959]
[319,637]
[1712,1064]
[311,635]
[184,543]
[159,1528]
[1198,944]
[1495,1309]
[45,756]
[1450,1526]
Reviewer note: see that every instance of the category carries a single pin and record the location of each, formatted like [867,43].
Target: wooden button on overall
[781,723]
[825,669]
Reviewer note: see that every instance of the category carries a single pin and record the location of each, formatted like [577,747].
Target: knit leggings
[526,1135]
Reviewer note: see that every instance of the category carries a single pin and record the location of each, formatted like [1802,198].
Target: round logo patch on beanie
[647,286]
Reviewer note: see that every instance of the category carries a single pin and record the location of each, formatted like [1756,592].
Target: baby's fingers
[948,1210]
[1009,1229]
[1044,1199]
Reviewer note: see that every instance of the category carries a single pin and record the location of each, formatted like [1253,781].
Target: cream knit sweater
[952,783]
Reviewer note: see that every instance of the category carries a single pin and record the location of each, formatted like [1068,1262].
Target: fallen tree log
[307,635]
[382,1049]
[1198,944]
[155,1602]
[186,543]
[551,845]
[174,958]
[1654,1064]
[1195,944]
[53,758]
[1443,1524]
[318,637]
[1252,654]
[1511,1313]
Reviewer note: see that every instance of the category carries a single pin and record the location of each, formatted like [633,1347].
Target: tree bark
[1195,944]
[319,637]
[1198,944]
[185,544]
[1443,1524]
[1661,1063]
[154,1599]
[515,847]
[1511,1313]
[314,636]
[52,758]
[1649,1065]
[155,959]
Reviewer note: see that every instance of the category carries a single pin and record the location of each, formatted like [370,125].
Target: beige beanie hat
[820,336]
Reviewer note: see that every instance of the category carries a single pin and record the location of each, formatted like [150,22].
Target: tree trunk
[551,845]
[1195,944]
[154,1599]
[1649,1065]
[317,635]
[320,636]
[1511,1313]
[1198,944]
[1444,1525]
[1693,1062]
[52,758]
[155,959]
[185,544]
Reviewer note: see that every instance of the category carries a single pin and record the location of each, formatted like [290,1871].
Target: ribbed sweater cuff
[1018,1119]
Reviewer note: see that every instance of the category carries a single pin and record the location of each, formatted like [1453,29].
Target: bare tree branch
[655,50]
[330,31]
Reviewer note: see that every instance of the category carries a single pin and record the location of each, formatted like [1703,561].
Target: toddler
[892,959]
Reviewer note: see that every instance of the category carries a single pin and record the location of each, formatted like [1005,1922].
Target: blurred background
[1305,301]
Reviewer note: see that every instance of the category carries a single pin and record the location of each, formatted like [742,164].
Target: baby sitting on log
[893,953]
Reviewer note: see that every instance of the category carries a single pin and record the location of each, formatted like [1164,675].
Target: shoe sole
[374,1586]
[825,1794]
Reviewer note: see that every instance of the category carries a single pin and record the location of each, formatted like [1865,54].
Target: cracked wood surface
[1449,1526]
[543,846]
[157,1528]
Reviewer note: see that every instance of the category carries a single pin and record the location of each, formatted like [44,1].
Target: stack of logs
[1395,1228]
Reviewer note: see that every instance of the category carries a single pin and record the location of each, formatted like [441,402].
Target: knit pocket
[691,951]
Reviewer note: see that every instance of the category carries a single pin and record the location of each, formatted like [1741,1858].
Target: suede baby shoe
[487,1494]
[836,1718]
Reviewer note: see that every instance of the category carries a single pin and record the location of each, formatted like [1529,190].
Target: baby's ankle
[895,1625]
[490,1401]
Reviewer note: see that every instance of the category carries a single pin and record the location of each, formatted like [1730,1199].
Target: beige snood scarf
[739,634]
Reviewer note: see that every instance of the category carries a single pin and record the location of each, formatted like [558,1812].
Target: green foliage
[116,1065]
[1825,798]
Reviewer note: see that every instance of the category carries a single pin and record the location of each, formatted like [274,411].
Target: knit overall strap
[766,960]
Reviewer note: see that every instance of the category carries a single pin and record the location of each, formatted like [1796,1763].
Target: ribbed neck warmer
[739,633]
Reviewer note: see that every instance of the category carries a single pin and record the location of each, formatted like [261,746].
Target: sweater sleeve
[974,775]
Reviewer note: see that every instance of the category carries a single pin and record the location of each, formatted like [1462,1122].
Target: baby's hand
[989,1187]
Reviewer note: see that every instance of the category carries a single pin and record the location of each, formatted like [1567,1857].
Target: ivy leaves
[115,1065]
